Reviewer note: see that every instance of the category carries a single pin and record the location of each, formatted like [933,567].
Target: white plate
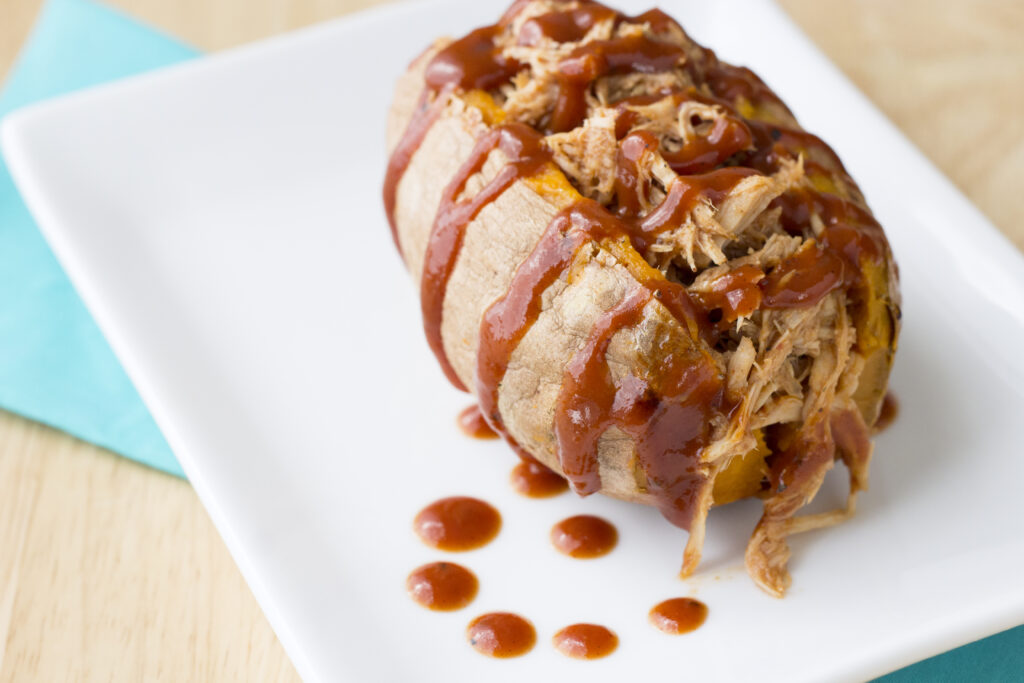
[222,221]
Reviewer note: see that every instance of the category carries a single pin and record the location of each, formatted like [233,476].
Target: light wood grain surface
[111,571]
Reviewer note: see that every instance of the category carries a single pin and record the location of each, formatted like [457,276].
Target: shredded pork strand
[587,155]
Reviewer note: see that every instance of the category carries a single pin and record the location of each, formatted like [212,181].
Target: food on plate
[442,586]
[457,524]
[473,423]
[678,615]
[501,635]
[534,480]
[584,536]
[654,281]
[585,641]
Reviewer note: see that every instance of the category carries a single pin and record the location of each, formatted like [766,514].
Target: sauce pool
[457,524]
[584,537]
[501,635]
[585,641]
[534,480]
[678,615]
[442,586]
[472,423]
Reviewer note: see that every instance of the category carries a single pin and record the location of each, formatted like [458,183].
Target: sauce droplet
[585,641]
[678,615]
[584,536]
[888,414]
[534,480]
[501,634]
[472,423]
[442,586]
[458,523]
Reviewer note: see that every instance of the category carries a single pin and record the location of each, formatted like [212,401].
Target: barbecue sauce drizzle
[668,414]
[534,480]
[526,156]
[427,112]
[472,423]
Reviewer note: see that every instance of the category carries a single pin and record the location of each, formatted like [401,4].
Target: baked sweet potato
[655,282]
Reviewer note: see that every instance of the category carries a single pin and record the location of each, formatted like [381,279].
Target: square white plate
[222,221]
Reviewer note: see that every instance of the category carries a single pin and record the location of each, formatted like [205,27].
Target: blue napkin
[55,366]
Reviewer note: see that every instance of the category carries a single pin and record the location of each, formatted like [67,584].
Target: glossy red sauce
[584,537]
[833,261]
[423,118]
[471,63]
[626,118]
[674,414]
[670,421]
[588,62]
[526,156]
[835,212]
[534,480]
[472,423]
[668,416]
[635,53]
[684,193]
[588,389]
[512,315]
[774,142]
[631,192]
[711,146]
[806,277]
[734,295]
[800,458]
[501,635]
[725,137]
[852,440]
[659,22]
[890,411]
[567,26]
[732,83]
[678,615]
[458,523]
[442,586]
[585,641]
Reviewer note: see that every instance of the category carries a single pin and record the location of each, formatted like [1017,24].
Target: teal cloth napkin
[55,366]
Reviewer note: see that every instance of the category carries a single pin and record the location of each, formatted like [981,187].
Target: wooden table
[109,570]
